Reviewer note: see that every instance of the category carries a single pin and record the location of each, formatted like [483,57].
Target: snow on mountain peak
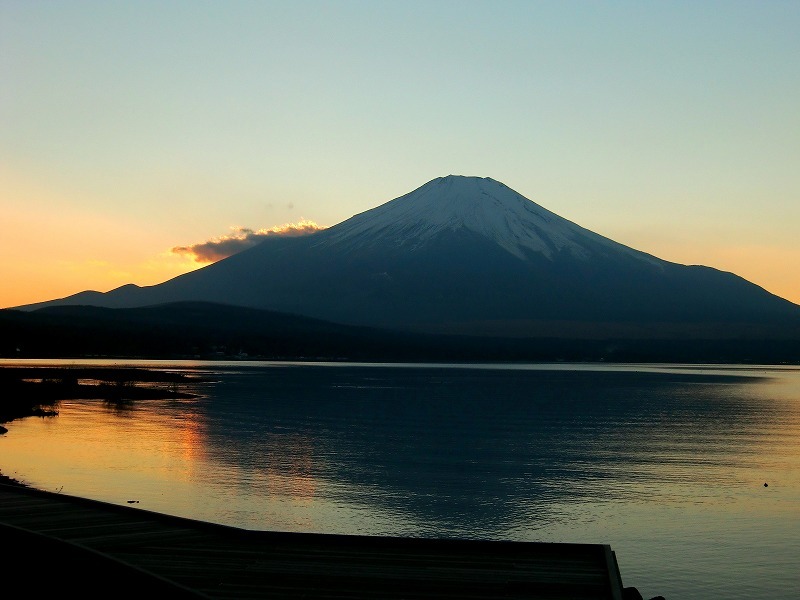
[478,204]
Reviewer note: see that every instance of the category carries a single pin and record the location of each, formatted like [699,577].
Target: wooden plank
[228,563]
[50,567]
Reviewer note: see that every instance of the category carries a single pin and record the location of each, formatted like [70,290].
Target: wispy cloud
[242,238]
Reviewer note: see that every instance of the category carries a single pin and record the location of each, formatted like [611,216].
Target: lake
[665,463]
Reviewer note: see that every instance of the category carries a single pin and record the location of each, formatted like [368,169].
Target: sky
[139,139]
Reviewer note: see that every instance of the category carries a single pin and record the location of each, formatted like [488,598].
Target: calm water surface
[666,463]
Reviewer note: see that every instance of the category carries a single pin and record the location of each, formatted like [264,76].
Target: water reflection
[666,463]
[477,453]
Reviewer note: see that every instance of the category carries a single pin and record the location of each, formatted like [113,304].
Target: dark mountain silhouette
[468,255]
[212,331]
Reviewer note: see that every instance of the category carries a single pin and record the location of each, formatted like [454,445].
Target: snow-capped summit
[477,204]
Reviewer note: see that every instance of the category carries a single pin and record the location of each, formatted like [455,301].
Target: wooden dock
[53,543]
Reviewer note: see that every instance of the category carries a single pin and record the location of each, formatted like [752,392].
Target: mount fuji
[469,255]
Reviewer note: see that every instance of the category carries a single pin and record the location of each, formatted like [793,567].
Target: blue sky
[129,128]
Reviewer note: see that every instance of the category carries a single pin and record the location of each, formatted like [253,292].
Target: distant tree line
[208,331]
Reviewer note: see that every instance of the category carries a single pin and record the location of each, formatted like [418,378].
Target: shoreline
[6,480]
[36,391]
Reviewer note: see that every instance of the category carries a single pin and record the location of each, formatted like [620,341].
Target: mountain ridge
[461,255]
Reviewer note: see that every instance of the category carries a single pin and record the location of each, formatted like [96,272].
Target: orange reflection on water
[192,432]
[132,443]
